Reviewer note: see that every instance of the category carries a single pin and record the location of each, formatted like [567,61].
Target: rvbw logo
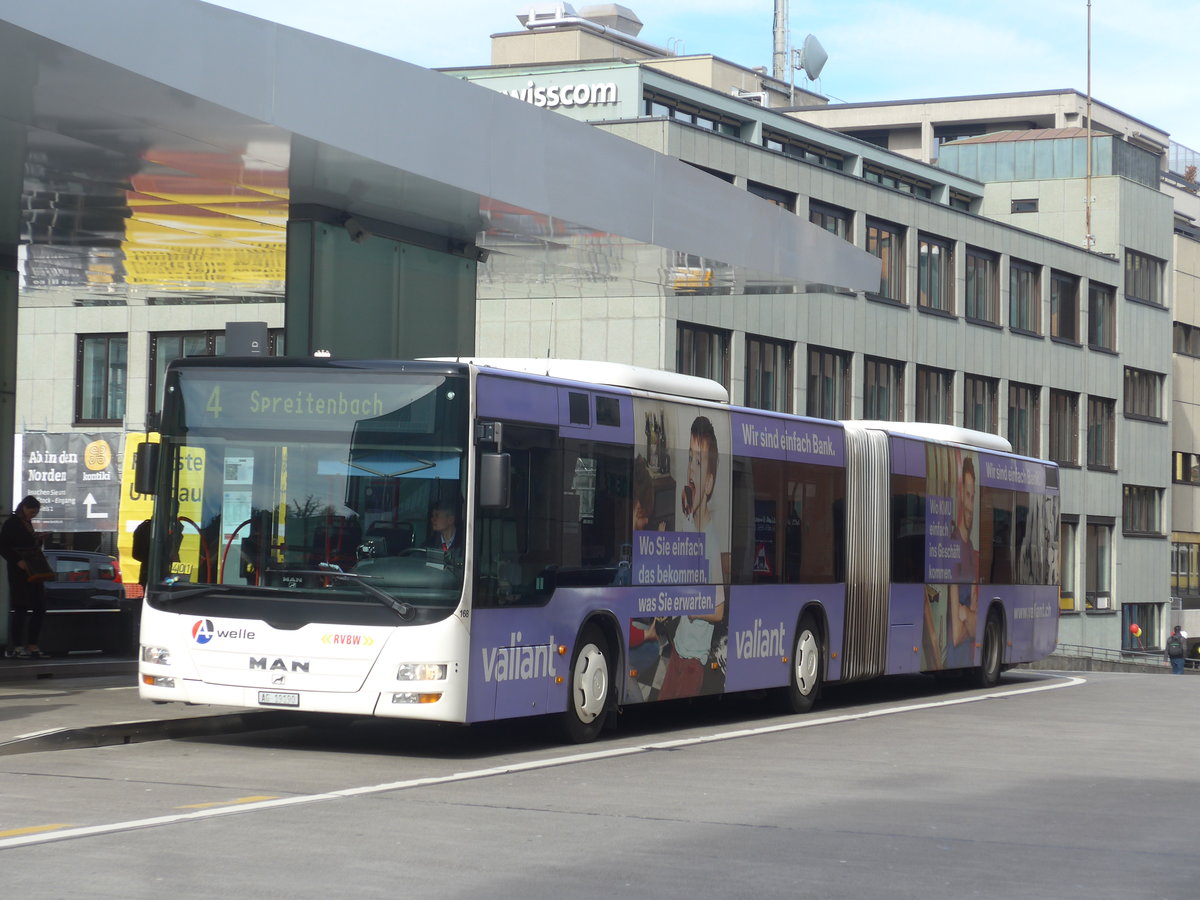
[203,631]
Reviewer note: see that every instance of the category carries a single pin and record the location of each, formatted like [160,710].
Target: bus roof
[606,373]
[931,431]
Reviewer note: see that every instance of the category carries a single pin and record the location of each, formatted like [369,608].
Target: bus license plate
[278,698]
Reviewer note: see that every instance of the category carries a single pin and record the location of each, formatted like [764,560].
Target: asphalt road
[1052,785]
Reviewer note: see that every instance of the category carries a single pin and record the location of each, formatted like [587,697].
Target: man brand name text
[759,642]
[279,665]
[519,663]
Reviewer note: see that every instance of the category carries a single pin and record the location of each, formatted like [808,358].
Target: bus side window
[908,529]
[519,542]
[742,537]
[596,519]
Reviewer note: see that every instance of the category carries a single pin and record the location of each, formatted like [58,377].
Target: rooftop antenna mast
[811,57]
[779,59]
[1089,239]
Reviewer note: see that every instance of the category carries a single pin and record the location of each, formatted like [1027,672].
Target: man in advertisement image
[682,644]
[952,558]
[967,568]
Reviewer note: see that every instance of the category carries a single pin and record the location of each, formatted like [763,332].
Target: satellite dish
[812,57]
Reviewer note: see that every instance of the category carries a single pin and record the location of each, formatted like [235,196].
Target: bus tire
[807,668]
[992,655]
[589,687]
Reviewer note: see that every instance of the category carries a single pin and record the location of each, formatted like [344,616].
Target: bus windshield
[285,483]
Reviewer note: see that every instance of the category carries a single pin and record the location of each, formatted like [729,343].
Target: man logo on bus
[203,631]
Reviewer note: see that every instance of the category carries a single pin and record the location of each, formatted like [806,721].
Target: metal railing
[1142,657]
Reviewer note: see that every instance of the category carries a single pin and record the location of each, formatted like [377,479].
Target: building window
[1101,428]
[983,290]
[887,242]
[100,372]
[1146,615]
[828,383]
[1102,316]
[1185,570]
[1141,510]
[662,106]
[960,201]
[786,199]
[1098,572]
[1185,467]
[1143,394]
[167,346]
[980,403]
[1024,417]
[768,374]
[1187,339]
[1064,306]
[1068,533]
[883,389]
[1024,297]
[831,218]
[1064,427]
[935,394]
[798,149]
[897,181]
[703,352]
[935,274]
[1143,278]
[1023,206]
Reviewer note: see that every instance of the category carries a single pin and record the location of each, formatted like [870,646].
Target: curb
[25,670]
[152,730]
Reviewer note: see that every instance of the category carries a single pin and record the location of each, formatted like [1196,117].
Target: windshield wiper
[404,610]
[177,596]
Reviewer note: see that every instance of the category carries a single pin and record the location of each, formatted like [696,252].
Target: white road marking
[587,756]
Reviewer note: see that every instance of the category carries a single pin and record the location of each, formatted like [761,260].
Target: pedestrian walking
[21,548]
[1176,650]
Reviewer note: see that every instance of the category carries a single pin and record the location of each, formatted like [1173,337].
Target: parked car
[86,606]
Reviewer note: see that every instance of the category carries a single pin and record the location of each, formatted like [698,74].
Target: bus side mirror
[494,472]
[145,468]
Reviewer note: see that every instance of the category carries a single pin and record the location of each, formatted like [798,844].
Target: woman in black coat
[28,598]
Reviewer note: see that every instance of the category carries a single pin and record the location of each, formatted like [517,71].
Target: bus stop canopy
[164,145]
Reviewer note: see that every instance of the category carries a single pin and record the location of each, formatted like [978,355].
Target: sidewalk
[61,704]
[65,667]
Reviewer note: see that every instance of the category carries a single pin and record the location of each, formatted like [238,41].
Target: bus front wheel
[988,674]
[807,669]
[590,686]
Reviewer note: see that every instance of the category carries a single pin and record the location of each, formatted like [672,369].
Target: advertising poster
[137,508]
[678,642]
[76,476]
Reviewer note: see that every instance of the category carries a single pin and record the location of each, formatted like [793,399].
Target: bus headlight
[159,656]
[421,672]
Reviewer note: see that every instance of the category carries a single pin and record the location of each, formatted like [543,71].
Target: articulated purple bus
[473,540]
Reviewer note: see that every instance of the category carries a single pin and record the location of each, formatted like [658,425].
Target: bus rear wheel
[589,686]
[990,660]
[807,669]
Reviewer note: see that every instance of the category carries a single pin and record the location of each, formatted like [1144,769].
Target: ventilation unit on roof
[759,97]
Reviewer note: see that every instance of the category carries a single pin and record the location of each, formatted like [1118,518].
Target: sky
[878,49]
